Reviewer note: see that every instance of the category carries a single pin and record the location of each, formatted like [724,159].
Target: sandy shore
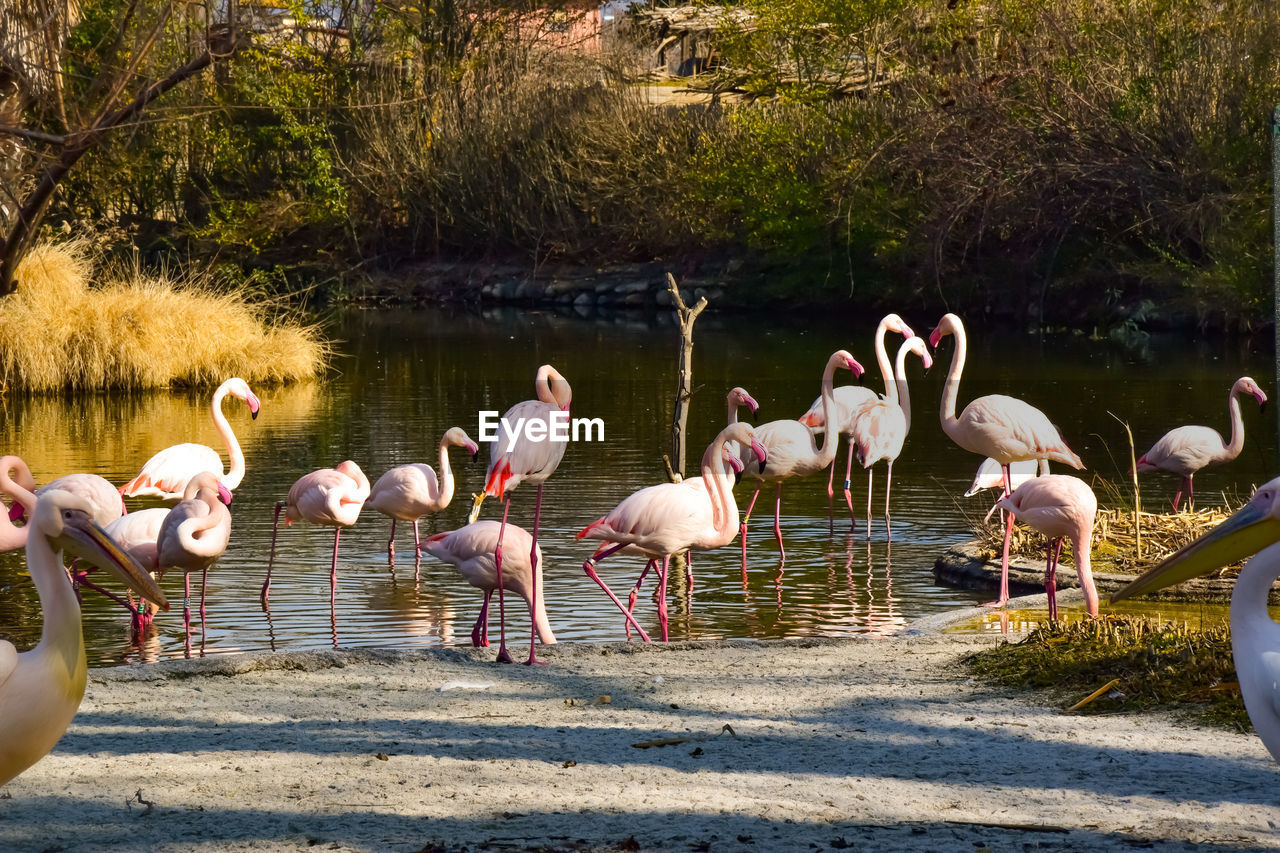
[866,744]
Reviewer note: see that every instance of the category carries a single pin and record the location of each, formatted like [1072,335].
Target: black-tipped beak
[737,477]
[475,454]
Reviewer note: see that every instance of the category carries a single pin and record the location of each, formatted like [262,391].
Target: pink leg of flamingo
[590,568]
[742,531]
[1052,555]
[777,525]
[503,655]
[480,633]
[848,493]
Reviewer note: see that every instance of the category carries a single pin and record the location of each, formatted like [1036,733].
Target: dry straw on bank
[139,330]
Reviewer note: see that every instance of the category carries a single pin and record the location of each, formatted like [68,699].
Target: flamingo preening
[165,475]
[41,689]
[1255,636]
[793,450]
[471,551]
[1004,428]
[408,492]
[880,426]
[989,476]
[848,399]
[1187,449]
[331,497]
[104,500]
[1059,505]
[518,459]
[668,518]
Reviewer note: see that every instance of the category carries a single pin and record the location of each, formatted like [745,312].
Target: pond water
[404,377]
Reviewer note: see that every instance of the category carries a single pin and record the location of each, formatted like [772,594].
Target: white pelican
[41,689]
[1255,637]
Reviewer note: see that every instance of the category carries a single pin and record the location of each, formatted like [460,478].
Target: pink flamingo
[513,461]
[1059,506]
[100,495]
[331,497]
[191,536]
[471,550]
[1187,449]
[668,518]
[848,399]
[1004,428]
[166,474]
[880,426]
[408,492]
[793,450]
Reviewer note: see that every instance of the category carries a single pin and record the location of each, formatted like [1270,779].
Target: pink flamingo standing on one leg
[1187,449]
[1059,506]
[793,450]
[1004,428]
[408,492]
[517,459]
[332,497]
[668,518]
[880,427]
[471,550]
[848,399]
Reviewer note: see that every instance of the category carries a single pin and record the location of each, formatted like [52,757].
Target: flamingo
[1187,449]
[880,426]
[793,450]
[166,474]
[519,459]
[849,398]
[471,551]
[1004,428]
[41,689]
[1059,506]
[1255,637]
[190,536]
[668,518]
[331,497]
[102,497]
[989,476]
[408,492]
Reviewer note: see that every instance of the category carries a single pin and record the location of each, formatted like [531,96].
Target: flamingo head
[920,348]
[552,388]
[761,453]
[842,358]
[237,387]
[458,437]
[1248,386]
[946,326]
[224,494]
[740,397]
[894,323]
[1253,527]
[66,520]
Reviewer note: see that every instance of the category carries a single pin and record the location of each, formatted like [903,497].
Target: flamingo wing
[193,535]
[103,498]
[1184,450]
[512,461]
[1006,428]
[406,492]
[792,451]
[166,474]
[137,532]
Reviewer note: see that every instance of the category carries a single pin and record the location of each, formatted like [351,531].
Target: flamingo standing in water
[408,492]
[41,689]
[793,450]
[668,518]
[850,398]
[471,551]
[166,474]
[1187,449]
[1004,428]
[102,497]
[191,536]
[880,426]
[1059,506]
[518,459]
[331,497]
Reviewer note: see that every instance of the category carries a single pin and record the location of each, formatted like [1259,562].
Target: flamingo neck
[61,644]
[724,509]
[446,477]
[1081,546]
[951,388]
[830,437]
[733,410]
[540,622]
[191,527]
[882,357]
[1233,448]
[900,394]
[235,473]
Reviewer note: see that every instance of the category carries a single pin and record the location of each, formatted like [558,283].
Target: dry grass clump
[1157,665]
[1114,540]
[140,330]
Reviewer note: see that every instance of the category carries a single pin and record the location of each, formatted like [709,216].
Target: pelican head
[67,522]
[1253,527]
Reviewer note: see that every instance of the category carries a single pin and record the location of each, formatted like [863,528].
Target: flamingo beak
[754,407]
[17,512]
[935,336]
[254,405]
[84,538]
[760,452]
[1246,532]
[926,360]
[224,494]
[906,331]
[855,367]
[1261,398]
[475,450]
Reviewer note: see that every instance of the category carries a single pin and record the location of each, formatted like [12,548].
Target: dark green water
[405,377]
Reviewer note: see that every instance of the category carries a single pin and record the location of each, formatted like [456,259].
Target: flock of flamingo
[85,516]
